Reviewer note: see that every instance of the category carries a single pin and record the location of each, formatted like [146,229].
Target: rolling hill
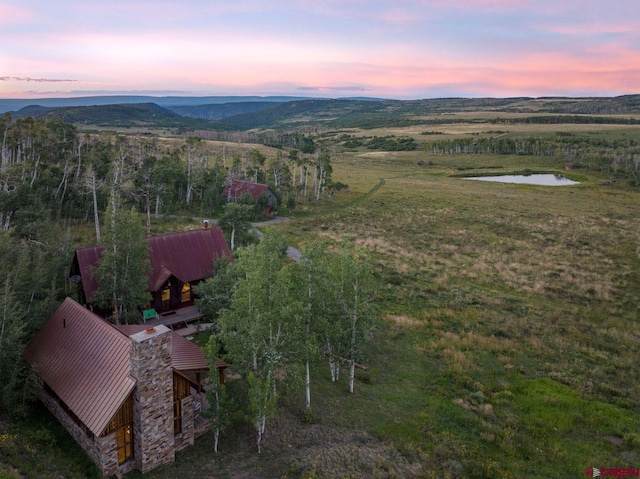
[148,115]
[7,104]
[246,113]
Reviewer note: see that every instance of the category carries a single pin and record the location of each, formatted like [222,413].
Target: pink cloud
[592,28]
[476,4]
[11,14]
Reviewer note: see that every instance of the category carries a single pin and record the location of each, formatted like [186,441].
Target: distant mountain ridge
[9,104]
[246,113]
[220,111]
[148,115]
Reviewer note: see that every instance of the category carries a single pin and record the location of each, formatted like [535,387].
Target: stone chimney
[152,398]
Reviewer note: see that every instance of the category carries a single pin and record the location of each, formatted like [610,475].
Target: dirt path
[292,252]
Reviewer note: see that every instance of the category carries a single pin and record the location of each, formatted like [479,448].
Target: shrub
[310,417]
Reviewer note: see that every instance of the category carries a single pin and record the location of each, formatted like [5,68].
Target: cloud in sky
[400,48]
[37,80]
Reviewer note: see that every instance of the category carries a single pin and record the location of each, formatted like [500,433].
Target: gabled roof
[238,188]
[189,256]
[85,361]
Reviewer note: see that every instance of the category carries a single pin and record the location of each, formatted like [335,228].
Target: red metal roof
[189,256]
[238,188]
[85,361]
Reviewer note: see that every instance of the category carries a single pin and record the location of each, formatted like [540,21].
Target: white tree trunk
[4,151]
[260,427]
[7,221]
[334,368]
[352,374]
[95,206]
[189,179]
[294,174]
[35,172]
[148,212]
[319,188]
[315,177]
[216,434]
[79,167]
[157,205]
[308,387]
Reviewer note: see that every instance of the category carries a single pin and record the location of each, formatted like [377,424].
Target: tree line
[54,178]
[619,158]
[273,319]
[50,169]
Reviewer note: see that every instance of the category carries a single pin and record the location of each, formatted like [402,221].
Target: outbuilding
[234,190]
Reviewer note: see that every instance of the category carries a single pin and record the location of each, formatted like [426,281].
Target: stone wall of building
[102,451]
[186,437]
[152,398]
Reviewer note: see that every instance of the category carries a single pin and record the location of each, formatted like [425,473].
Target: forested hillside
[221,111]
[185,114]
[147,115]
[55,180]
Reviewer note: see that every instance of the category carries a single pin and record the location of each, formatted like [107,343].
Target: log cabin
[179,261]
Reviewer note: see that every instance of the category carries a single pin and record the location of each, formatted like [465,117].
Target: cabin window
[125,444]
[186,293]
[177,416]
[166,299]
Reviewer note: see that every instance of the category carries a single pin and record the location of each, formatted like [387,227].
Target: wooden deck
[178,318]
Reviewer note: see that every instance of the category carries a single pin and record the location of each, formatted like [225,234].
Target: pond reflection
[546,179]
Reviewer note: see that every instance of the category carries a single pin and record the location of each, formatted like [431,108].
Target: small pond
[538,179]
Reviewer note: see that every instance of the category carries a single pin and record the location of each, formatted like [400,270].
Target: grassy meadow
[508,340]
[508,346]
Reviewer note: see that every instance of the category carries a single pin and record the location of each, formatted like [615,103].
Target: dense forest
[54,178]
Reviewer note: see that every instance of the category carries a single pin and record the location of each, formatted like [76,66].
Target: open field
[520,301]
[508,339]
[426,133]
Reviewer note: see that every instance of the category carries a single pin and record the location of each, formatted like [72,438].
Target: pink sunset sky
[327,48]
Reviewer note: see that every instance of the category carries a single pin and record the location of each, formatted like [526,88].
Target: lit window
[186,293]
[125,444]
[166,294]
